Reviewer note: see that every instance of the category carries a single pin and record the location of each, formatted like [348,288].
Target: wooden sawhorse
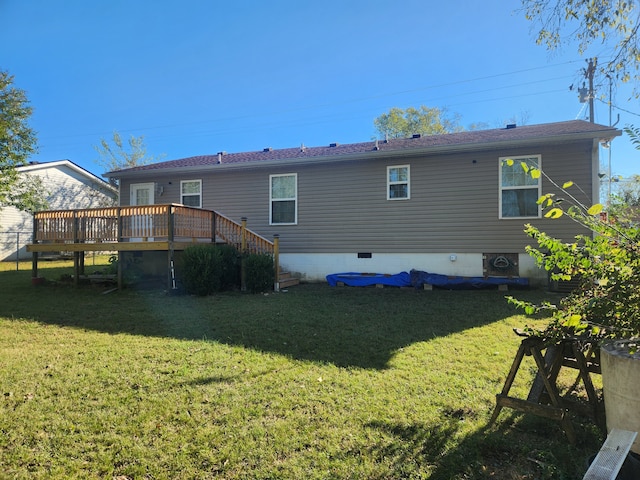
[544,398]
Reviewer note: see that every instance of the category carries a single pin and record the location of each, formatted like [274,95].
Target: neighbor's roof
[35,166]
[512,135]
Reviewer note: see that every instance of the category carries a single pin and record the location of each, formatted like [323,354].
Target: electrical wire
[226,120]
[619,108]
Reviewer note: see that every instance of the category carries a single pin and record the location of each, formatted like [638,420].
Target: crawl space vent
[500,265]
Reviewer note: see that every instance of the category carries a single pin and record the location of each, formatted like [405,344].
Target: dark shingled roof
[514,134]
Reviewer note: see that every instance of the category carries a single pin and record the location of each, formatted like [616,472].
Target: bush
[606,261]
[208,268]
[230,267]
[259,272]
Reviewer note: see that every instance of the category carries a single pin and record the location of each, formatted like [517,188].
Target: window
[519,190]
[398,182]
[191,193]
[283,197]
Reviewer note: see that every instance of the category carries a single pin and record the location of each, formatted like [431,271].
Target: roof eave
[71,165]
[603,135]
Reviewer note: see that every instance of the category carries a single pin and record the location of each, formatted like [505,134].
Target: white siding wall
[15,233]
[64,187]
[315,267]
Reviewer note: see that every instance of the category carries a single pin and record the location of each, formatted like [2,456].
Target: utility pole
[609,152]
[591,69]
[588,94]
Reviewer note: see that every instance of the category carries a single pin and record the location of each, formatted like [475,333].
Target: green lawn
[314,383]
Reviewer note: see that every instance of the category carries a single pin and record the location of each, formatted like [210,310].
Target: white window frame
[284,199]
[517,160]
[199,195]
[390,182]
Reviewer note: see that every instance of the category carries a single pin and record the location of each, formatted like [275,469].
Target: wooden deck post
[76,268]
[276,262]
[120,268]
[34,255]
[213,227]
[119,237]
[76,255]
[170,237]
[119,224]
[243,252]
[243,240]
[34,265]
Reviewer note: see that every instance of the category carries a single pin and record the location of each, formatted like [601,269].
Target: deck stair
[286,280]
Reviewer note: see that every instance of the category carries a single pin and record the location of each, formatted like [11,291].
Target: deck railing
[146,223]
[232,233]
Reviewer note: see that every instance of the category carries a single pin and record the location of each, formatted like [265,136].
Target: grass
[314,383]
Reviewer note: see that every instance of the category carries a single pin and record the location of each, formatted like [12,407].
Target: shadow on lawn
[501,452]
[344,326]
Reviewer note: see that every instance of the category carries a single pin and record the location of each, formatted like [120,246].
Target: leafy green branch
[605,264]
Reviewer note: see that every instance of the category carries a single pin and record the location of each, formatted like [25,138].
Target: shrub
[259,271]
[230,267]
[208,268]
[606,303]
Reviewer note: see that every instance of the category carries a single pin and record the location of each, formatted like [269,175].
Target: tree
[605,262]
[17,143]
[118,157]
[399,123]
[627,191]
[613,23]
[521,119]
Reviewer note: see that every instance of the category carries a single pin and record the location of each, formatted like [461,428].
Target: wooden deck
[167,227]
[148,227]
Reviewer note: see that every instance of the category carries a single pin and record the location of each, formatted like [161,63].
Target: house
[66,186]
[448,204]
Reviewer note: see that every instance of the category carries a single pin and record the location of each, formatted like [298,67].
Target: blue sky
[197,77]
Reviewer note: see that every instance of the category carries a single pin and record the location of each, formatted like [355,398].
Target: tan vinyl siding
[343,206]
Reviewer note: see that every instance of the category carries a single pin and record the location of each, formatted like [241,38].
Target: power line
[355,100]
[619,108]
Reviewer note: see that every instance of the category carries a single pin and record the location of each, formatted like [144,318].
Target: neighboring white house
[66,186]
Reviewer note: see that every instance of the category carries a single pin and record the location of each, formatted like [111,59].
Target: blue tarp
[418,279]
[354,279]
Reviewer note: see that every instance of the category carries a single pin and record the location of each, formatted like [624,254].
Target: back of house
[449,204]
